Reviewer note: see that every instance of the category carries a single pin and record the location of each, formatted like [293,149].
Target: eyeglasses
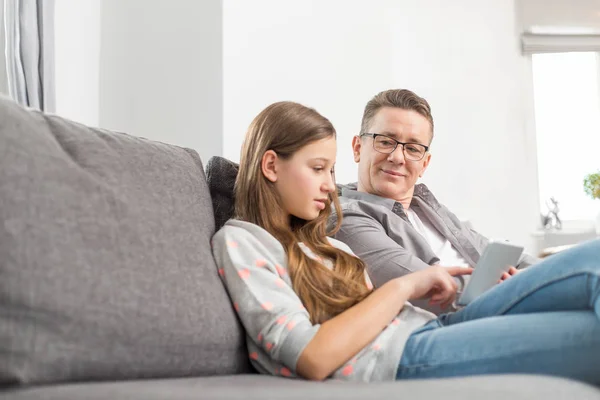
[386,145]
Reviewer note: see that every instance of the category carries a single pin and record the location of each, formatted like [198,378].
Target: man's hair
[398,98]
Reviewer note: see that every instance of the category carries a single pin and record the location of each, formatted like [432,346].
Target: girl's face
[305,180]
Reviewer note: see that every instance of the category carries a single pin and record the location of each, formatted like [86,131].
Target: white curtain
[30,52]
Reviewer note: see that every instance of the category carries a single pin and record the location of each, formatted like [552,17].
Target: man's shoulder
[354,203]
[357,213]
[352,199]
[361,206]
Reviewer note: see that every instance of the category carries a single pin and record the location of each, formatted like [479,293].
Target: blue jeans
[545,320]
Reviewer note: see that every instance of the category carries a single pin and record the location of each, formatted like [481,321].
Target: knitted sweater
[253,266]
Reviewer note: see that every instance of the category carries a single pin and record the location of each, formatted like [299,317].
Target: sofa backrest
[106,270]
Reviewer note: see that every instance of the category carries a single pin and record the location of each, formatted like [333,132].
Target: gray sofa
[108,289]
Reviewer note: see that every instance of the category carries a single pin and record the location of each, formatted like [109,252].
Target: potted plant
[591,186]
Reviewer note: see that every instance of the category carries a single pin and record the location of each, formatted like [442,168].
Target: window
[567,116]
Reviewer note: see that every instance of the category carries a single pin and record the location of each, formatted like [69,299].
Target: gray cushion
[221,174]
[261,387]
[106,270]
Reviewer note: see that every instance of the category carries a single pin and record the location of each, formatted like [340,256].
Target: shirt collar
[350,191]
[421,193]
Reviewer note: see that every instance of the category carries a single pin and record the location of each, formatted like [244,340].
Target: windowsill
[572,232]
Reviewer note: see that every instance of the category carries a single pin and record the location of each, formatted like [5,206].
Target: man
[393,224]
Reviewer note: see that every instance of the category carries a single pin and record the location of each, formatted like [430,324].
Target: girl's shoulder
[247,234]
[237,225]
[242,233]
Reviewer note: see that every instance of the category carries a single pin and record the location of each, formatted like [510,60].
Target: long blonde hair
[286,127]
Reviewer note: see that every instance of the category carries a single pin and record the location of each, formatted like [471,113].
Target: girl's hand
[435,283]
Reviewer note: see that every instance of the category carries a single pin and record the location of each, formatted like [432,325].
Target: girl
[310,311]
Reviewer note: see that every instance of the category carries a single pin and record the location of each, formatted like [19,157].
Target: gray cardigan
[378,231]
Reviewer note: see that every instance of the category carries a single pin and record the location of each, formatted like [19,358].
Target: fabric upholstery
[262,387]
[106,269]
[221,174]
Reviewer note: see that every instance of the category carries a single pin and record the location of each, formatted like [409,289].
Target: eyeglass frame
[374,136]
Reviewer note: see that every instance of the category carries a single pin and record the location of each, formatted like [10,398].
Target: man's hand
[511,272]
[435,283]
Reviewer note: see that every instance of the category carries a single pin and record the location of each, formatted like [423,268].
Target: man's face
[391,175]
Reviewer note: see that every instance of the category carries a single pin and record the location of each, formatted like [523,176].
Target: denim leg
[565,343]
[566,281]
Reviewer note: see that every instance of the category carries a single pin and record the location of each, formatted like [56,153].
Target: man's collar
[350,191]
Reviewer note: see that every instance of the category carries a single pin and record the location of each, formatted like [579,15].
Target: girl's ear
[269,165]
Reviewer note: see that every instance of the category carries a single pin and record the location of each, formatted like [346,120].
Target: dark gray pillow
[221,174]
[106,270]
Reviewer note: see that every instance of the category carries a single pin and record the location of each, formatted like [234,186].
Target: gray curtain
[29,26]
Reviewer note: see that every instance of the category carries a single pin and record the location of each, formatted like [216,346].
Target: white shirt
[441,246]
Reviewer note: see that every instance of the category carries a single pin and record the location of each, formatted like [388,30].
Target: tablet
[496,259]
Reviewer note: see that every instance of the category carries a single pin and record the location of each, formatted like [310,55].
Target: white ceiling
[560,16]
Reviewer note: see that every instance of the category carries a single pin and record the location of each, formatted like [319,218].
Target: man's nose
[397,156]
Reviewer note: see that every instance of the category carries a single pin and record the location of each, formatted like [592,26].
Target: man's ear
[356,146]
[425,164]
[268,165]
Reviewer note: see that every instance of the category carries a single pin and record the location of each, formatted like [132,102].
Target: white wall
[463,56]
[148,68]
[77,59]
[560,16]
[161,71]
[196,73]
